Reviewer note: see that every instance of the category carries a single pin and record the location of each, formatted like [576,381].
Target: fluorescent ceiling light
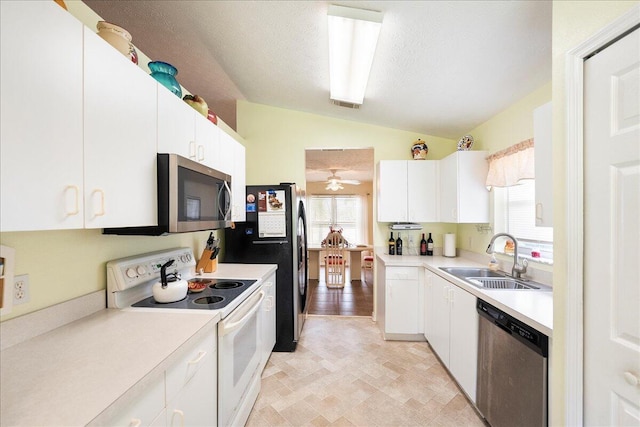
[353,36]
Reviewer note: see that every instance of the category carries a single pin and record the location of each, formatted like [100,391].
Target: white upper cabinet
[120,138]
[41,180]
[407,191]
[464,197]
[238,183]
[422,191]
[176,125]
[207,142]
[542,136]
[226,154]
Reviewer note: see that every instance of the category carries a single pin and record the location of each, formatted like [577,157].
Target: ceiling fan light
[334,185]
[353,36]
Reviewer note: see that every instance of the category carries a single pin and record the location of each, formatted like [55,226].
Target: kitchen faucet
[517,270]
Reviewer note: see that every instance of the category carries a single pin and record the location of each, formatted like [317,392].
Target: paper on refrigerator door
[272,214]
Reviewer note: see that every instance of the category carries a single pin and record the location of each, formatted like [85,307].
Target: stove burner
[208,300]
[226,285]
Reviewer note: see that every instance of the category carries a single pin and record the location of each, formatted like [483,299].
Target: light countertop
[535,308]
[84,371]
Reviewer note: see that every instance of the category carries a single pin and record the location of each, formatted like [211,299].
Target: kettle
[170,288]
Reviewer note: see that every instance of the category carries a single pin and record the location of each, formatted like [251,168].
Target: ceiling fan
[334,182]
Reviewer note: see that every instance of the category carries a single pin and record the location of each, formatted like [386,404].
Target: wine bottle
[430,245]
[392,245]
[423,246]
[398,245]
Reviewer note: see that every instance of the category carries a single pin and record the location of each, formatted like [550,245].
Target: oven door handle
[227,328]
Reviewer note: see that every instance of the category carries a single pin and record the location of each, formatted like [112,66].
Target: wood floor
[355,299]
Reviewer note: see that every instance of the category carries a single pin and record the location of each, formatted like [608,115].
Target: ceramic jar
[165,74]
[119,38]
[419,150]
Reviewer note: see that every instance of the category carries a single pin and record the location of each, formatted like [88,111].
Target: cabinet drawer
[402,273]
[201,354]
[144,410]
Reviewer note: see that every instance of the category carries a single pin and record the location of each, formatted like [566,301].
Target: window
[515,214]
[340,211]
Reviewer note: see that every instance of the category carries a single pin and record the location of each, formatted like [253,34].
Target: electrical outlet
[21,289]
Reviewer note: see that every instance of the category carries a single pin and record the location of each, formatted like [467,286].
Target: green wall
[276,140]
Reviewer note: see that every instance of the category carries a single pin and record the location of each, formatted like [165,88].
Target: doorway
[339,193]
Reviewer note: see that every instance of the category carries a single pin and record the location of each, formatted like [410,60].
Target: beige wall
[276,140]
[573,23]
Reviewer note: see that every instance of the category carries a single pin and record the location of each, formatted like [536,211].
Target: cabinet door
[473,196]
[227,144]
[449,189]
[439,328]
[41,121]
[120,138]
[428,316]
[403,307]
[207,142]
[392,191]
[196,403]
[422,187]
[463,340]
[148,409]
[238,184]
[542,135]
[176,125]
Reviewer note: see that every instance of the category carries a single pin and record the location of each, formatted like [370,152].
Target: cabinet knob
[631,379]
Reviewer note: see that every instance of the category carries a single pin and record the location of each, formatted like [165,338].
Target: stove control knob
[131,273]
[141,270]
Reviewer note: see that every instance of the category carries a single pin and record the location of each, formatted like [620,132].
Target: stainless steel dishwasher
[512,370]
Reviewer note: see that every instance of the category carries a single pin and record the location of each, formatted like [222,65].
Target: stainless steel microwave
[191,197]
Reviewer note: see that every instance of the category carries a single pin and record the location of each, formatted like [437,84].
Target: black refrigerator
[275,233]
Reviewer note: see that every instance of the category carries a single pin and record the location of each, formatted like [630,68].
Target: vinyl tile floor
[344,374]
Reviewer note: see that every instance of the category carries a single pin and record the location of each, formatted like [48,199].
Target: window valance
[508,166]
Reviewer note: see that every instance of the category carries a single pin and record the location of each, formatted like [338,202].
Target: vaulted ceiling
[441,67]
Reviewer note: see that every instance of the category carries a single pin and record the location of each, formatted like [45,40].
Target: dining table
[354,262]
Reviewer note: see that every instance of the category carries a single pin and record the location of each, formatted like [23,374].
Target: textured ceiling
[441,67]
[348,163]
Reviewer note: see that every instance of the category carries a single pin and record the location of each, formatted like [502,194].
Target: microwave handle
[226,188]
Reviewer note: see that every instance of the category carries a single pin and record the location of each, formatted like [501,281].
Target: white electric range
[129,287]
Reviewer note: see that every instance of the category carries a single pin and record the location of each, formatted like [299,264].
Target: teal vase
[165,74]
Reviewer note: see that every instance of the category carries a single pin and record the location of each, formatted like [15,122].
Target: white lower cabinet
[186,394]
[147,410]
[268,323]
[191,386]
[451,327]
[401,296]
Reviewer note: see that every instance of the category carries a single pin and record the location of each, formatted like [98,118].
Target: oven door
[238,361]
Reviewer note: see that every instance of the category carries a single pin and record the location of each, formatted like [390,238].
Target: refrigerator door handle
[270,242]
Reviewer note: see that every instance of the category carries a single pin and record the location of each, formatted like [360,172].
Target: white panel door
[227,144]
[207,142]
[238,184]
[120,138]
[41,120]
[403,307]
[612,234]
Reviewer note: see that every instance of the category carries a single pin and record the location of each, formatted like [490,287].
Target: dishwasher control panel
[532,338]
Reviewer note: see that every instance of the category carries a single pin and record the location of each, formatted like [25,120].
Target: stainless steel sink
[500,283]
[464,272]
[489,279]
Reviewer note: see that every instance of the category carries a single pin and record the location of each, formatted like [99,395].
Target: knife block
[206,264]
